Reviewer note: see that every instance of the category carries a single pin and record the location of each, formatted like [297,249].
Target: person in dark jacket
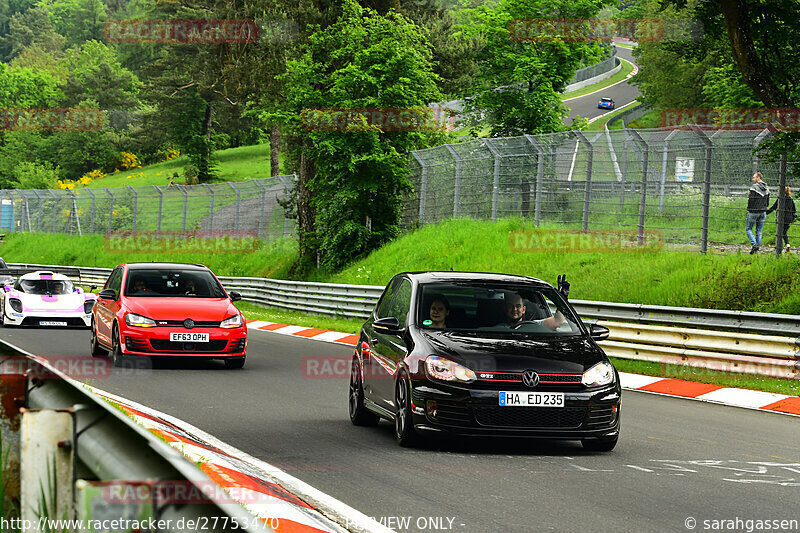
[789,215]
[757,202]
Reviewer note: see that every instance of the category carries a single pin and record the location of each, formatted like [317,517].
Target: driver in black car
[515,313]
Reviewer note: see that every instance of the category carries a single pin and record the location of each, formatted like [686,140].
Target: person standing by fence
[757,202]
[789,215]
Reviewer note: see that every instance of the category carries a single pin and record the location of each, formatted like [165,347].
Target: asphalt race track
[622,93]
[676,458]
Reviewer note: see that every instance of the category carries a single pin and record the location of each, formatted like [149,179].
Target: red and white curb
[266,491]
[751,399]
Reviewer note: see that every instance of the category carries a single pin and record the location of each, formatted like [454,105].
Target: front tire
[603,444]
[403,422]
[116,349]
[97,350]
[359,414]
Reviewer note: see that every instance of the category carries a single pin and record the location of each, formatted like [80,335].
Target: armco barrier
[96,440]
[637,331]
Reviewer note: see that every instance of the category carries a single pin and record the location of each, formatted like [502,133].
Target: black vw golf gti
[483,354]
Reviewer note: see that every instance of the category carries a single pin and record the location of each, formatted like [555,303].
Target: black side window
[401,303]
[382,308]
[115,280]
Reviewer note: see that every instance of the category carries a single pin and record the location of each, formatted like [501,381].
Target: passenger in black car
[439,311]
[515,314]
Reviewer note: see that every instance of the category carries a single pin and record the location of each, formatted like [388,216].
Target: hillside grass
[233,164]
[737,281]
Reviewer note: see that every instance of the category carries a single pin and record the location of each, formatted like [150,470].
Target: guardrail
[638,331]
[66,432]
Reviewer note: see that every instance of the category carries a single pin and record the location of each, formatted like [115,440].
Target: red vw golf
[167,309]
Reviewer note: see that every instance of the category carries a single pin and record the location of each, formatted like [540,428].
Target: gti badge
[530,378]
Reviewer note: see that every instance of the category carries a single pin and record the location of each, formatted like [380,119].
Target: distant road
[622,93]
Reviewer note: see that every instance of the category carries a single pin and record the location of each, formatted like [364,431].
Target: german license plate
[532,399]
[51,323]
[188,337]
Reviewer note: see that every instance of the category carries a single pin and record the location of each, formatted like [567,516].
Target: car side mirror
[389,324]
[235,296]
[92,288]
[108,294]
[598,332]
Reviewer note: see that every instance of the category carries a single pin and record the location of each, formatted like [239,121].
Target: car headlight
[447,370]
[132,319]
[16,304]
[600,374]
[233,322]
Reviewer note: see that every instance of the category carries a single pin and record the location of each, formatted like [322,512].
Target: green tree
[351,182]
[77,20]
[95,72]
[517,83]
[31,175]
[31,28]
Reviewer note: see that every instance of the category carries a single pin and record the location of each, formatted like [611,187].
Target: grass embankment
[687,279]
[233,164]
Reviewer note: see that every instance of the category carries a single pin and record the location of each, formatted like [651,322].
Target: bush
[30,175]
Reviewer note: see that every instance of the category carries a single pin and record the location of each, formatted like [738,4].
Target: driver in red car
[515,313]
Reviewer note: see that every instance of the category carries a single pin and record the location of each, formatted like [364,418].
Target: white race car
[46,299]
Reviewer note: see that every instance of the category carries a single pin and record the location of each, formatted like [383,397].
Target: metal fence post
[55,210]
[210,209]
[135,206]
[587,192]
[185,203]
[496,181]
[779,244]
[238,203]
[110,210]
[665,153]
[257,181]
[160,205]
[422,186]
[709,151]
[624,173]
[645,149]
[457,187]
[288,191]
[39,214]
[537,209]
[91,222]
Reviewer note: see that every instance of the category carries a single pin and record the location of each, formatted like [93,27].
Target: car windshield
[173,283]
[45,286]
[606,99]
[499,309]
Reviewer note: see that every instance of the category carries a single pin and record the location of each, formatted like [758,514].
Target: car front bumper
[459,410]
[72,319]
[155,342]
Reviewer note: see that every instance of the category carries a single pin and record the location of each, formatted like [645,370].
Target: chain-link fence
[690,185]
[255,206]
[591,71]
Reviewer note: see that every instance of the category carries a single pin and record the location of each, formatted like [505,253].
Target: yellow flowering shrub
[128,161]
[172,154]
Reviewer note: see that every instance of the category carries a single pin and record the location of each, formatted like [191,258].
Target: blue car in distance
[605,103]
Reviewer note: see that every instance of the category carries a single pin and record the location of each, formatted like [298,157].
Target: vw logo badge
[189,324]
[530,378]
